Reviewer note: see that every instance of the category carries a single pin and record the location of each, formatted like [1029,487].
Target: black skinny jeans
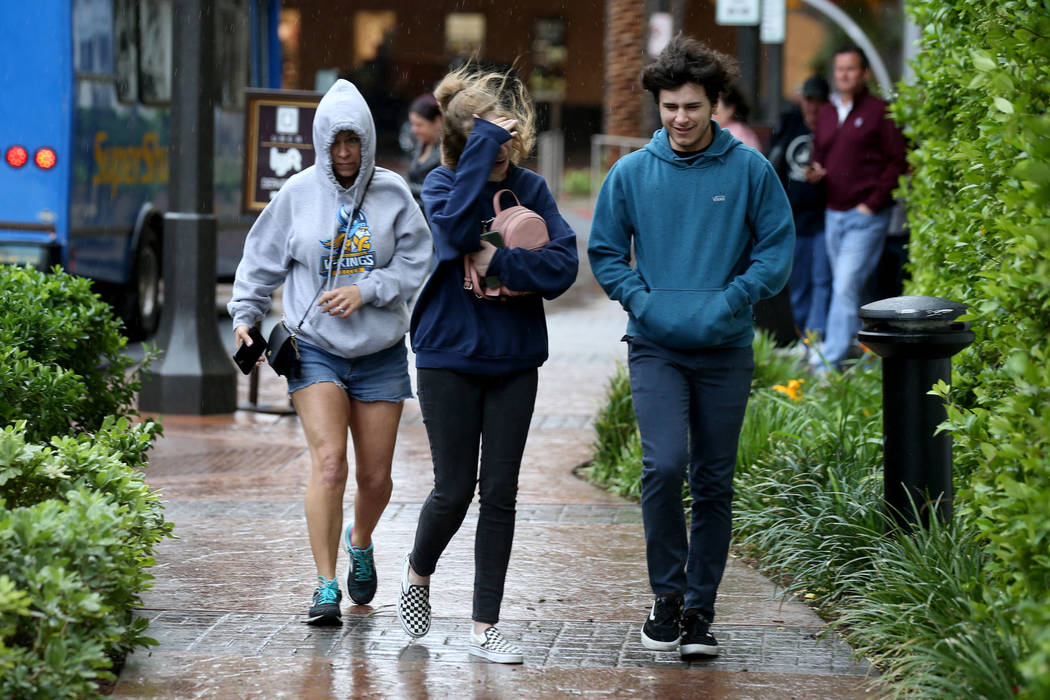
[463,412]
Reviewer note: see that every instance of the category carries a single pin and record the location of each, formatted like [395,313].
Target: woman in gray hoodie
[351,248]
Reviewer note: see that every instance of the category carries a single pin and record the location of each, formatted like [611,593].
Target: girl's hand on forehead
[506,123]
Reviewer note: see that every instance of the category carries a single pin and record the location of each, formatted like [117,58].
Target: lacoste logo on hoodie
[718,198]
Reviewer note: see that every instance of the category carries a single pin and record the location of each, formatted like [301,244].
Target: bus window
[124,32]
[93,37]
[231,52]
[155,50]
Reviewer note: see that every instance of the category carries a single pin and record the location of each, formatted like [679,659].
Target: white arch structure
[854,32]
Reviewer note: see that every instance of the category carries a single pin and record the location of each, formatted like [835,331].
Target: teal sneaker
[361,580]
[324,609]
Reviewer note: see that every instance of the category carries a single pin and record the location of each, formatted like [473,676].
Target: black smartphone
[493,237]
[247,355]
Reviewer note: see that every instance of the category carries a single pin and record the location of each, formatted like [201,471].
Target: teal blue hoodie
[711,237]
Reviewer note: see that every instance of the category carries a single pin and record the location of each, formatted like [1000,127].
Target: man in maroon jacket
[859,153]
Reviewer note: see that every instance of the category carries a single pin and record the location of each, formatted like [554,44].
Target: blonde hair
[471,90]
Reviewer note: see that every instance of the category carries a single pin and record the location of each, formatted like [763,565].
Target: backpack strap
[496,206]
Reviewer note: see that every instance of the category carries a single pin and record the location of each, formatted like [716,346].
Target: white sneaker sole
[324,619]
[657,645]
[495,656]
[698,650]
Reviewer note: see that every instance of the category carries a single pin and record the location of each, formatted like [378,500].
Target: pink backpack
[518,227]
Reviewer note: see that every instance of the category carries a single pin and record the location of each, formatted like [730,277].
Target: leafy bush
[980,220]
[77,523]
[61,366]
[77,530]
[617,461]
[772,364]
[576,182]
[916,605]
[808,481]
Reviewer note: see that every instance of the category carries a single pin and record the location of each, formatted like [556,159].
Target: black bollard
[916,338]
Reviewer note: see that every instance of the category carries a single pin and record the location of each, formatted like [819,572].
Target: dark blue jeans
[690,407]
[464,413]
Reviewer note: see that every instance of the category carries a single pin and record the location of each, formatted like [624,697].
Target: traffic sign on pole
[738,13]
[774,22]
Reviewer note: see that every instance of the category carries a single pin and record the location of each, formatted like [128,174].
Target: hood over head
[722,142]
[343,108]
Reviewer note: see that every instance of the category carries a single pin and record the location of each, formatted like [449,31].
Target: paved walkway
[230,593]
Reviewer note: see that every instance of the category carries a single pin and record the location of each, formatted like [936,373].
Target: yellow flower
[793,389]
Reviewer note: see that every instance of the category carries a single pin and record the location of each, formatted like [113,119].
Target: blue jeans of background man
[855,243]
[810,284]
[690,407]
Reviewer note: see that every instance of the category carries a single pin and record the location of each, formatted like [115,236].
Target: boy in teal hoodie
[712,233]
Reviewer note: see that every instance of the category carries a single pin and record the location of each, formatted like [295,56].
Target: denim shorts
[381,376]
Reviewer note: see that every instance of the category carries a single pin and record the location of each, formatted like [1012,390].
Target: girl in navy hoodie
[477,359]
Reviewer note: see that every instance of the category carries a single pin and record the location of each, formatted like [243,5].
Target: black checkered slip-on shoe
[413,606]
[492,645]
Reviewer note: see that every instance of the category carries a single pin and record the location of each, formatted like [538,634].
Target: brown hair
[425,106]
[471,90]
[686,60]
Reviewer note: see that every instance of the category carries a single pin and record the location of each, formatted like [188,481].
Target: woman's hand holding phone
[249,352]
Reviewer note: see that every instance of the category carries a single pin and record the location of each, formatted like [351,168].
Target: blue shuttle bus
[84,125]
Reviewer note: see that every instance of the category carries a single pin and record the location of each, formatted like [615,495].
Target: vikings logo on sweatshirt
[355,240]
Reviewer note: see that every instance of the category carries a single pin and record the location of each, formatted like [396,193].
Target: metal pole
[194,375]
[917,459]
[774,82]
[910,48]
[747,54]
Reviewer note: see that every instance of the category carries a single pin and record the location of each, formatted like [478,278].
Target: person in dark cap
[790,148]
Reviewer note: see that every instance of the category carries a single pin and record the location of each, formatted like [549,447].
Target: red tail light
[16,156]
[45,158]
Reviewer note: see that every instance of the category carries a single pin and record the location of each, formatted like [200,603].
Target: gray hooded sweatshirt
[304,239]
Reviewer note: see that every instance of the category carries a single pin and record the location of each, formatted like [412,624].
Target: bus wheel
[142,303]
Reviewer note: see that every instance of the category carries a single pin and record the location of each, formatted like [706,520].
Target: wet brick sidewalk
[230,593]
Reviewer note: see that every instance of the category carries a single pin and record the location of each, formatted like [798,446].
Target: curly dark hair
[686,60]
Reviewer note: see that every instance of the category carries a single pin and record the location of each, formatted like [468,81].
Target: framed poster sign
[278,141]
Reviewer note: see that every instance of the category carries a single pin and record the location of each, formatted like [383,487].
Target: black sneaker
[697,639]
[324,609]
[361,580]
[662,630]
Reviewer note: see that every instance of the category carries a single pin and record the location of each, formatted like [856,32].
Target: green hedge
[78,525]
[61,365]
[76,537]
[980,216]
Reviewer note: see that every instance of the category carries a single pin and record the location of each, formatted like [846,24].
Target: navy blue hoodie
[453,329]
[712,234]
